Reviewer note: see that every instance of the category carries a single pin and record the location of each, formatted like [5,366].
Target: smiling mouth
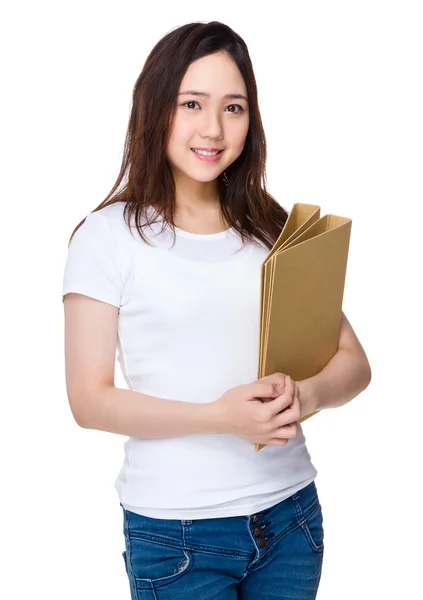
[206,152]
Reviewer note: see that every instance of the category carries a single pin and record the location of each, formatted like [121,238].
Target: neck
[198,206]
[196,196]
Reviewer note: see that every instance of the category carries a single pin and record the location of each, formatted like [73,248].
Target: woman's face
[211,115]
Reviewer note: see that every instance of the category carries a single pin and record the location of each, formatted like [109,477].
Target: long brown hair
[145,177]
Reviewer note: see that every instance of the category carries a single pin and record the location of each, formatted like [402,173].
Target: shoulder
[109,224]
[121,224]
[111,211]
[103,234]
[111,216]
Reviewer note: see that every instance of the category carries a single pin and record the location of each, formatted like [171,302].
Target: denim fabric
[275,554]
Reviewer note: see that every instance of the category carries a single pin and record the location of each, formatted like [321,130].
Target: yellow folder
[302,288]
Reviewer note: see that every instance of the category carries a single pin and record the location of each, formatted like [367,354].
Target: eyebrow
[228,96]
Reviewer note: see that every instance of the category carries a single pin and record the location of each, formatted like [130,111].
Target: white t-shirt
[188,330]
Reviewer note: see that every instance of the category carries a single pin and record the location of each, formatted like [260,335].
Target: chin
[203,177]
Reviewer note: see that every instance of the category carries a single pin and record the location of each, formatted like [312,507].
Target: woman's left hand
[279,379]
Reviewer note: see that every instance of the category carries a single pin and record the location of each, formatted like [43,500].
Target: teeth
[205,153]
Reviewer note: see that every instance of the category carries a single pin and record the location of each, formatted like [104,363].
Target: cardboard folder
[302,288]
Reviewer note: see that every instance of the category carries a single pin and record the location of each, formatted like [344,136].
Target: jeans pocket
[312,528]
[156,564]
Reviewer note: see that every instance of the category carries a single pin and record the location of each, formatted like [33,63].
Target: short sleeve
[92,264]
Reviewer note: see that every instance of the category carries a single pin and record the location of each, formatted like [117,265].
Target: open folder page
[303,286]
[299,219]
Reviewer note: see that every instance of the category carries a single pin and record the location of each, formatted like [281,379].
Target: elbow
[360,371]
[88,406]
[366,373]
[82,423]
[79,417]
[79,412]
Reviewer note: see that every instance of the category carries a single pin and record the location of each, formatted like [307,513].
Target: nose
[211,126]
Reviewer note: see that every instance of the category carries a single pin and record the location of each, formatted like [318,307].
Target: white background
[340,90]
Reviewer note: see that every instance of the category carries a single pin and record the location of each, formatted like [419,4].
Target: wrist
[212,418]
[307,397]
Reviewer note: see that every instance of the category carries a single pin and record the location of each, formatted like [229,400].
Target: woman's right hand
[259,412]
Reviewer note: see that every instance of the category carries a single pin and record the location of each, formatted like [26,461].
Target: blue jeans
[275,554]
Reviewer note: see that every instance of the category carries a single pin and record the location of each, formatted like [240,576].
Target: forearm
[345,376]
[133,414]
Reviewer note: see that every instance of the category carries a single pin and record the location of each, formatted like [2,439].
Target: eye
[235,106]
[190,102]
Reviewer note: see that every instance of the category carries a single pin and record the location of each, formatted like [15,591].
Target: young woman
[167,271]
